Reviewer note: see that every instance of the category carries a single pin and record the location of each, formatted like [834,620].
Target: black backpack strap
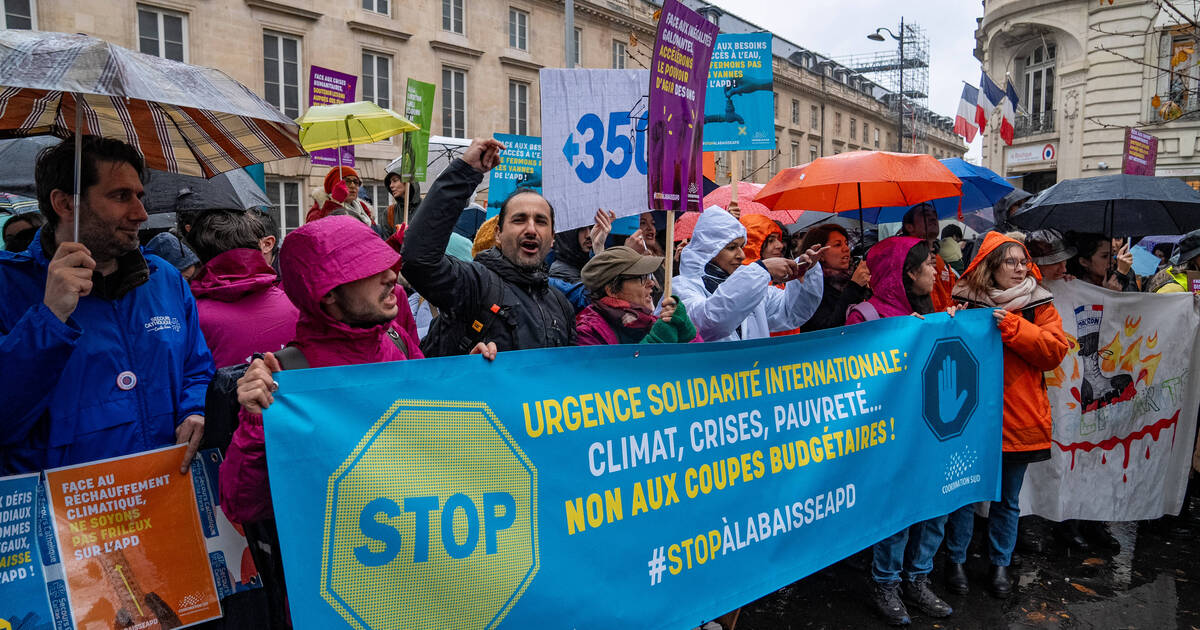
[394,335]
[475,330]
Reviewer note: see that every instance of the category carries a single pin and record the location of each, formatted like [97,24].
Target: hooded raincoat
[758,228]
[1034,343]
[886,262]
[316,258]
[236,288]
[743,306]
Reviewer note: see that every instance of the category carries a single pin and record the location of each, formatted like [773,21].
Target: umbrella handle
[78,163]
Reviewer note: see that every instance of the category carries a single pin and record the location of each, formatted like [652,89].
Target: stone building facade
[1084,71]
[483,56]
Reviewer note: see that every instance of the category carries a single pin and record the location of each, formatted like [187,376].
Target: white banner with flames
[1124,402]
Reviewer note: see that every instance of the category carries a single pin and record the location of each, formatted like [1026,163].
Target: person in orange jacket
[921,221]
[764,238]
[1002,277]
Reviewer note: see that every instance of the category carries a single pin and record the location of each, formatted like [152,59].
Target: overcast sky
[841,28]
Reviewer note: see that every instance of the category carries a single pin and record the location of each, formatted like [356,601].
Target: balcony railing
[1034,124]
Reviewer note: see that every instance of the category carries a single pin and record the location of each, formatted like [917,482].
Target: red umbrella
[746,204]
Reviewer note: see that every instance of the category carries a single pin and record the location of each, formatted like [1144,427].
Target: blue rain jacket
[61,399]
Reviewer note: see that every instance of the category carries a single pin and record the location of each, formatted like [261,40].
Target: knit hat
[337,174]
[485,238]
[172,250]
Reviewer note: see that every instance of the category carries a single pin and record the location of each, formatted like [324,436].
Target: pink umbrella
[721,198]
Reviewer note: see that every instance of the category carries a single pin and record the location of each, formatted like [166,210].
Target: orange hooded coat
[1031,348]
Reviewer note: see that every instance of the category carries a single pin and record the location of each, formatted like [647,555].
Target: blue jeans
[910,549]
[1002,520]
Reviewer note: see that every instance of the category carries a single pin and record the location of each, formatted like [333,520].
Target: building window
[284,195]
[1039,81]
[618,54]
[837,123]
[19,14]
[452,16]
[865,136]
[795,112]
[815,115]
[795,154]
[812,152]
[775,158]
[747,164]
[377,79]
[518,29]
[380,196]
[454,103]
[577,51]
[161,33]
[518,108]
[853,128]
[281,73]
[877,137]
[377,6]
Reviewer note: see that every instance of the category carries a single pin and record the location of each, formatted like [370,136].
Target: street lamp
[876,36]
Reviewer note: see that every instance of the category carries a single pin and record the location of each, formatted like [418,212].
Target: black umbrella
[17,159]
[231,190]
[1115,205]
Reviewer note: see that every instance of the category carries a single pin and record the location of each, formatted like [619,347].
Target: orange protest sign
[131,544]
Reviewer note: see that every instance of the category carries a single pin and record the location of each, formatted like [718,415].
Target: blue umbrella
[981,188]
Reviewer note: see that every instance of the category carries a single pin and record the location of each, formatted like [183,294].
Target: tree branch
[1170,5]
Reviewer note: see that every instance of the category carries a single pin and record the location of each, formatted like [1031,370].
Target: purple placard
[1141,153]
[330,87]
[678,77]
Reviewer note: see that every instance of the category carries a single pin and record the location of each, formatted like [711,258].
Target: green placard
[418,107]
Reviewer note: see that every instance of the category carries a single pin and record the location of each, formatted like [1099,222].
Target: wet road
[1153,582]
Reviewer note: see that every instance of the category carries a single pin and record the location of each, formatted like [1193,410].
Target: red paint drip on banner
[1153,430]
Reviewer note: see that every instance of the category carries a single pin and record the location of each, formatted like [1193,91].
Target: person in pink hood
[342,277]
[237,285]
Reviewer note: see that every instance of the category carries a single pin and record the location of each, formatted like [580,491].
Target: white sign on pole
[593,143]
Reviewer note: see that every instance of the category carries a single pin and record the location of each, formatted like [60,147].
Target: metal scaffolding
[884,69]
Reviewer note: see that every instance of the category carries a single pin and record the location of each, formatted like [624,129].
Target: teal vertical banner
[520,167]
[649,486]
[739,108]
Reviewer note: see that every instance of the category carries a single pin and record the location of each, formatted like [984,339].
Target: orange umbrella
[746,204]
[860,179]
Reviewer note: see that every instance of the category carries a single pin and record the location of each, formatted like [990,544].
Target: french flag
[1008,110]
[963,124]
[990,96]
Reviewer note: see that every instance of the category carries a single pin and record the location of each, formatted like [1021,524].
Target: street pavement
[1153,583]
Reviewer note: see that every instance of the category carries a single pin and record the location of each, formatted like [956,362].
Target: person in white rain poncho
[728,301]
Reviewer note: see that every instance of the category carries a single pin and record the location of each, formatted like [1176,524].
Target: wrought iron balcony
[1034,124]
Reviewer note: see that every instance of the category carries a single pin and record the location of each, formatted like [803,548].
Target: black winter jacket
[531,313]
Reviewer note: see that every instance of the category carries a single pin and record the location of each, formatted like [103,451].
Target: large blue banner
[606,486]
[739,106]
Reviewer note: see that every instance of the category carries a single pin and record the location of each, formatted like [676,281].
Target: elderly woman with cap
[1050,253]
[621,282]
[1173,278]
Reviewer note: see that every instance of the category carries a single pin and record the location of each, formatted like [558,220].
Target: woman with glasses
[1002,278]
[621,283]
[342,184]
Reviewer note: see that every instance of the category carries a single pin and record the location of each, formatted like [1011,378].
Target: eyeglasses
[646,279]
[1013,263]
[352,180]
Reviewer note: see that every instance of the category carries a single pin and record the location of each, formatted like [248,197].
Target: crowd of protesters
[118,343]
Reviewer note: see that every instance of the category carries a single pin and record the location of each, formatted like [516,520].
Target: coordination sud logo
[949,397]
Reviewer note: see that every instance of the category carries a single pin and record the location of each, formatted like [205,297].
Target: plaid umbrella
[183,118]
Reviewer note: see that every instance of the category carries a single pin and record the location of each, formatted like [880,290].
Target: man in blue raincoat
[101,349]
